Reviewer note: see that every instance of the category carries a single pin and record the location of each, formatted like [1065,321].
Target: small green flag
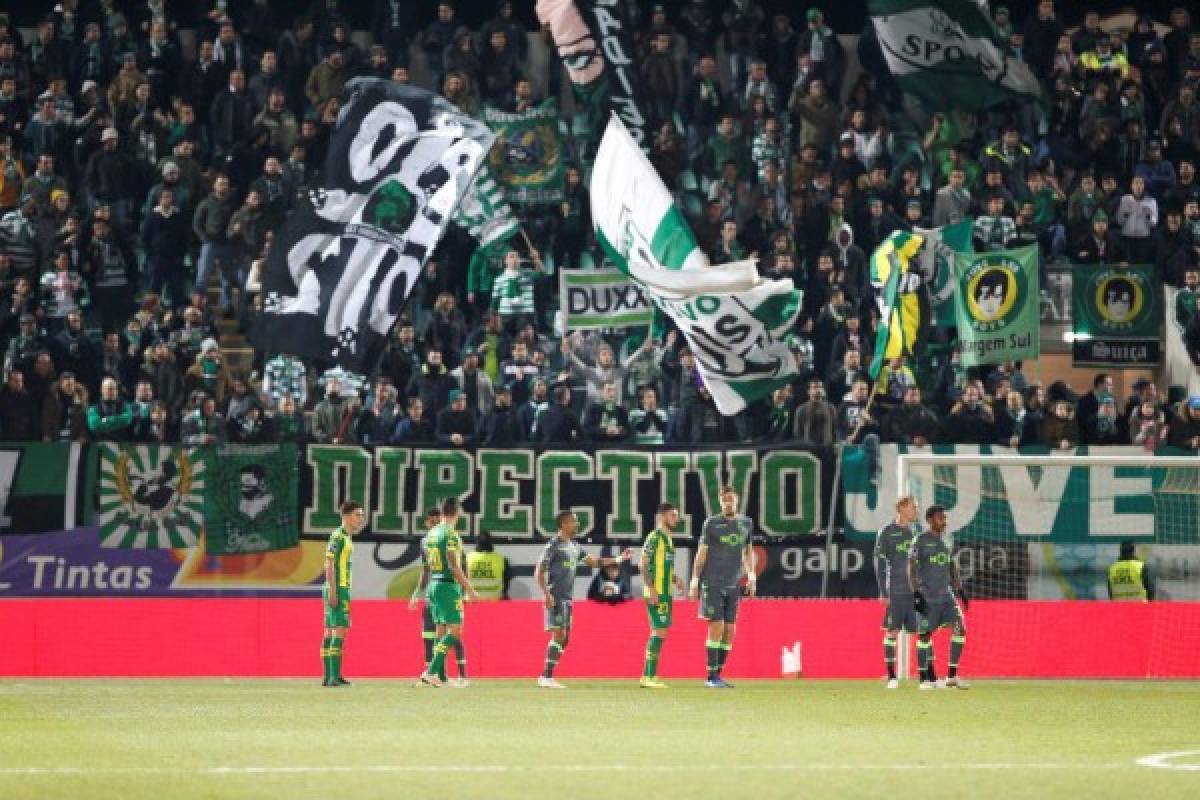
[250,504]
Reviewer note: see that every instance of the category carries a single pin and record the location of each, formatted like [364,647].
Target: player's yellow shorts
[445,602]
[660,613]
[338,616]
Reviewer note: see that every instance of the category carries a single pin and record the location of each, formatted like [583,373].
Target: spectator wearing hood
[1184,431]
[455,423]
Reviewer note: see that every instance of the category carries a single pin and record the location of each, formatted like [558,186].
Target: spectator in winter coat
[912,423]
[110,419]
[165,233]
[1184,432]
[559,425]
[501,425]
[971,421]
[19,412]
[475,384]
[415,427]
[455,423]
[1060,431]
[335,415]
[432,383]
[815,419]
[64,411]
[605,421]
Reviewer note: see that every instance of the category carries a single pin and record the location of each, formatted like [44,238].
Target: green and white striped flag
[150,497]
[733,320]
[484,212]
[947,54]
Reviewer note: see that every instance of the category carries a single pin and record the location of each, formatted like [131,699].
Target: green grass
[173,738]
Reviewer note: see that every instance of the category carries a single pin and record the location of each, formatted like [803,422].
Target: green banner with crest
[1118,316]
[997,305]
[528,158]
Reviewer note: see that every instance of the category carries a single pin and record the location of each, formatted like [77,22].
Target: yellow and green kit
[338,553]
[659,552]
[443,595]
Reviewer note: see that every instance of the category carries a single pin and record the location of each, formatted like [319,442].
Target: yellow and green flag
[902,297]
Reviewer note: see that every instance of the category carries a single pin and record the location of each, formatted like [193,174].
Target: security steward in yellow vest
[1129,579]
[488,570]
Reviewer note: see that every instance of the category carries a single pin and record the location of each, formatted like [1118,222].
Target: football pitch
[598,739]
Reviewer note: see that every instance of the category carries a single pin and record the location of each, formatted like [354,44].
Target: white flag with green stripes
[484,212]
[947,54]
[733,320]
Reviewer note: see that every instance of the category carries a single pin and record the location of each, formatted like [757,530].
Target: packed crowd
[133,175]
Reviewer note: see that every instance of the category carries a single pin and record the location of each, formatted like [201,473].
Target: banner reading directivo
[514,494]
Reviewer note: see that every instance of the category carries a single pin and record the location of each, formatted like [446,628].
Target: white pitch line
[576,768]
[1162,761]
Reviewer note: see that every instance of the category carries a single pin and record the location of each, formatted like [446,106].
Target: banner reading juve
[947,54]
[250,505]
[1118,316]
[733,320]
[997,304]
[400,159]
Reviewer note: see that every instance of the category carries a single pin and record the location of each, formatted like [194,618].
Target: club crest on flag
[150,496]
[996,292]
[1119,297]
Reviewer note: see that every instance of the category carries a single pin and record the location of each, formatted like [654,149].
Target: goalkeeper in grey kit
[726,552]
[891,568]
[938,592]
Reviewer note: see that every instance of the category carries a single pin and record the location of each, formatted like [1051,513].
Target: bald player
[891,570]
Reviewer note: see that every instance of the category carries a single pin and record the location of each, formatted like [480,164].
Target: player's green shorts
[338,617]
[446,602]
[942,614]
[719,603]
[660,614]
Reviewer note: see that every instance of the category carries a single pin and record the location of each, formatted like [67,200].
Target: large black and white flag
[399,161]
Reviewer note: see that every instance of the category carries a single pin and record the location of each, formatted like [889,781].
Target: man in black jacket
[559,424]
[912,423]
[605,421]
[501,425]
[455,424]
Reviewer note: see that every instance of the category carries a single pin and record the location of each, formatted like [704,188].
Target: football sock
[889,656]
[437,666]
[335,658]
[713,649]
[653,648]
[326,660]
[428,638]
[553,652]
[925,659]
[722,654]
[460,656]
[956,648]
